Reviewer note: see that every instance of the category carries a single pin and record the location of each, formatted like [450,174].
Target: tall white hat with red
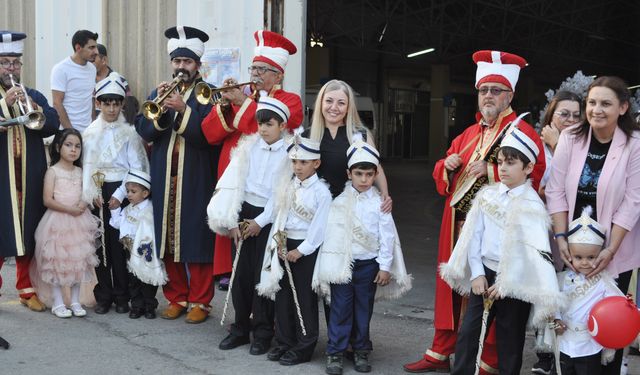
[273,49]
[499,67]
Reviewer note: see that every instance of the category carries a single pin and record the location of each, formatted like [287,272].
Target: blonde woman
[336,125]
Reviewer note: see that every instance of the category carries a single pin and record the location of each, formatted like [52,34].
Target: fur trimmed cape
[525,270]
[335,261]
[94,157]
[225,204]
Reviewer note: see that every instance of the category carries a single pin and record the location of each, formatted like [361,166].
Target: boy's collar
[307,182]
[368,193]
[502,188]
[271,147]
[142,204]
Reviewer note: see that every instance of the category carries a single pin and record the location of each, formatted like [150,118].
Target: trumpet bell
[203,93]
[35,120]
[151,110]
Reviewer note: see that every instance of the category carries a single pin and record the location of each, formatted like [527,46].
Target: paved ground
[115,344]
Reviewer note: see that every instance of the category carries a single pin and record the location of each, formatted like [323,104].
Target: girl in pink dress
[66,235]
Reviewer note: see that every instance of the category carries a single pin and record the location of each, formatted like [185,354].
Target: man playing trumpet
[468,159]
[182,171]
[22,166]
[227,123]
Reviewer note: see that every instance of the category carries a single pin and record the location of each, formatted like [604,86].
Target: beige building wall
[133,32]
[18,15]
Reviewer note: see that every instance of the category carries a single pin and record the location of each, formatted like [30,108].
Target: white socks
[75,293]
[56,292]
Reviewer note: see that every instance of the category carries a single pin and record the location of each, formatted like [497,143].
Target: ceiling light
[421,52]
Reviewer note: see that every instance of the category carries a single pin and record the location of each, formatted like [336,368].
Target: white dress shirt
[311,197]
[376,223]
[264,162]
[487,234]
[127,219]
[576,341]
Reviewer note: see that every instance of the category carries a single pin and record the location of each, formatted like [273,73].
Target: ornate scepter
[242,226]
[281,240]
[98,180]
[485,317]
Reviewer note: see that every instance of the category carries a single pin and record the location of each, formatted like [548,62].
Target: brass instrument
[205,94]
[28,116]
[152,109]
[467,185]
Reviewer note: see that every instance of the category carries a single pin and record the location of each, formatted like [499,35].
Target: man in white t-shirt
[73,82]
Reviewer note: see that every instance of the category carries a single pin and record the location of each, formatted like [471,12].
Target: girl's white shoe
[77,309]
[61,311]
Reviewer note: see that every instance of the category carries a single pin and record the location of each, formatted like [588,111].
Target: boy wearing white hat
[579,352]
[361,251]
[503,254]
[135,223]
[111,148]
[301,204]
[241,195]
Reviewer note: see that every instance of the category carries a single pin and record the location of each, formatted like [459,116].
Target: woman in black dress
[336,124]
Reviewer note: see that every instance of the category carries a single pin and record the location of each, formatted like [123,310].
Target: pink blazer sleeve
[556,188]
[628,212]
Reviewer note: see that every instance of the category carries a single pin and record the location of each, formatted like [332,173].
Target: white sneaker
[61,311]
[77,309]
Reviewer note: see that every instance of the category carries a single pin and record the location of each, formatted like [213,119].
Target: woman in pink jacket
[597,164]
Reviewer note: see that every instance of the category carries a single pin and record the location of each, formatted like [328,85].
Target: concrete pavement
[115,344]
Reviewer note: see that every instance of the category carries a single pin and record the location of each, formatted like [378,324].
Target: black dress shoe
[259,346]
[150,314]
[136,313]
[122,308]
[276,352]
[102,309]
[291,358]
[232,342]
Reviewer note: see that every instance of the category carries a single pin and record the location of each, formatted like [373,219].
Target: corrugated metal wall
[133,32]
[19,15]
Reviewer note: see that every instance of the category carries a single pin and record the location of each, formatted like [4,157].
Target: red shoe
[427,364]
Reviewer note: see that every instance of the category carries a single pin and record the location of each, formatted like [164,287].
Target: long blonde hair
[352,119]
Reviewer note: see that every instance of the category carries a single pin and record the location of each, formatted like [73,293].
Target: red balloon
[614,322]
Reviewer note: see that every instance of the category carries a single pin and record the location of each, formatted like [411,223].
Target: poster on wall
[219,64]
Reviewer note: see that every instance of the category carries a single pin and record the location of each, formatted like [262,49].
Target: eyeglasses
[565,115]
[17,64]
[495,91]
[261,69]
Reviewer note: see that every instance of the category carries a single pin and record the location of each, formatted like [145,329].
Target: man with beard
[183,176]
[73,80]
[469,159]
[22,167]
[227,123]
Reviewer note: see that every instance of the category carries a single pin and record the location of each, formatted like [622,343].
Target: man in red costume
[468,159]
[228,122]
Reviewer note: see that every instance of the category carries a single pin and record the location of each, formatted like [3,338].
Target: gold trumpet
[152,109]
[28,116]
[205,94]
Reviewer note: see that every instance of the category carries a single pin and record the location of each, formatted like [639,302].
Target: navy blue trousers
[351,309]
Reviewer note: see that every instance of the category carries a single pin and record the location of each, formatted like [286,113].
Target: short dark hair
[265,115]
[102,50]
[58,140]
[106,98]
[513,153]
[364,165]
[82,37]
